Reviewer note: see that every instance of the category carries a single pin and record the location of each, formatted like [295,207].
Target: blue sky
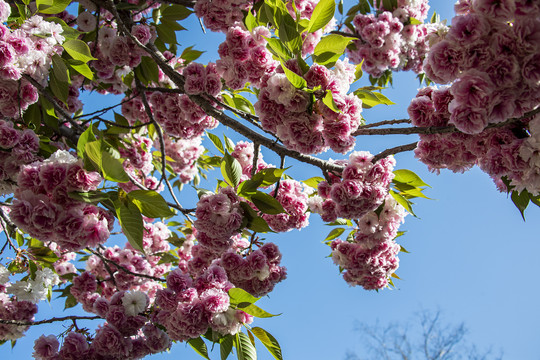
[471,255]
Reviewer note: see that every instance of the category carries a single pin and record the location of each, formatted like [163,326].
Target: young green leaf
[334,234]
[244,349]
[256,311]
[322,14]
[296,80]
[239,296]
[199,346]
[268,341]
[267,203]
[408,177]
[78,50]
[52,6]
[231,170]
[150,203]
[131,221]
[225,346]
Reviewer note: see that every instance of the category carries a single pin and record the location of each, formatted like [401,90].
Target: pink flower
[46,347]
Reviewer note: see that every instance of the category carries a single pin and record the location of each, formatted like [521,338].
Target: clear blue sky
[471,255]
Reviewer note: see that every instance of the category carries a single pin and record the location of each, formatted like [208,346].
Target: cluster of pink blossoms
[27,50]
[244,57]
[362,188]
[18,148]
[12,309]
[371,258]
[221,15]
[116,55]
[491,53]
[43,208]
[293,197]
[188,307]
[185,153]
[389,41]
[219,218]
[507,151]
[178,115]
[258,272]
[285,110]
[200,79]
[244,153]
[126,335]
[155,237]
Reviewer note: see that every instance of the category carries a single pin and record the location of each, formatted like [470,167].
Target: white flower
[134,302]
[4,275]
[61,157]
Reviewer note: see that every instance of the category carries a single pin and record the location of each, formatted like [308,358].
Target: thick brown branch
[386,122]
[48,321]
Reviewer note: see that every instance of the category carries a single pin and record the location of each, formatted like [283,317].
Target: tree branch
[48,321]
[394,150]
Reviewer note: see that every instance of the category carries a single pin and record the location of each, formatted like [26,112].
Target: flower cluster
[491,53]
[292,196]
[286,110]
[36,287]
[221,15]
[219,218]
[126,335]
[244,153]
[362,188]
[185,153]
[188,307]
[371,258]
[12,309]
[389,40]
[27,50]
[43,208]
[178,115]
[19,147]
[155,237]
[200,79]
[507,151]
[258,272]
[244,57]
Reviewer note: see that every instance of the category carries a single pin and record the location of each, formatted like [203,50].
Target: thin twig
[125,269]
[256,148]
[394,150]
[48,321]
[386,122]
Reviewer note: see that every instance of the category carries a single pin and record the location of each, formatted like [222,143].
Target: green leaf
[322,14]
[341,222]
[199,346]
[60,89]
[166,34]
[231,170]
[216,141]
[267,203]
[175,12]
[78,50]
[239,296]
[70,302]
[86,137]
[256,311]
[131,221]
[81,68]
[190,55]
[60,69]
[112,169]
[248,188]
[250,21]
[414,21]
[276,47]
[52,6]
[403,202]
[225,346]
[268,341]
[328,100]
[358,71]
[313,181]
[258,224]
[93,152]
[150,203]
[334,234]
[149,69]
[268,176]
[91,197]
[244,349]
[408,177]
[330,48]
[296,80]
[521,200]
[229,144]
